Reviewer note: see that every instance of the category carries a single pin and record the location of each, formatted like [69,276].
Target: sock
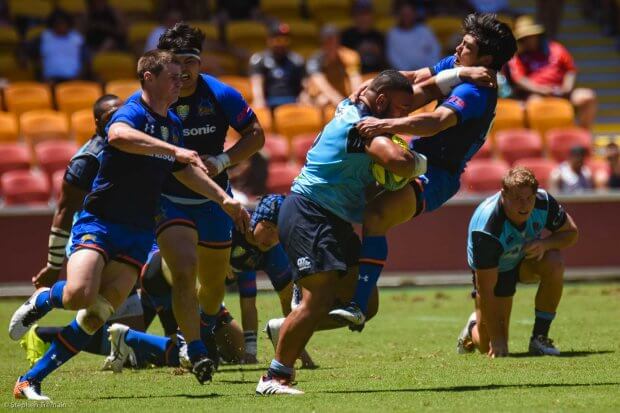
[372,259]
[52,298]
[542,323]
[277,369]
[96,345]
[160,350]
[67,344]
[48,334]
[207,323]
[250,342]
[196,350]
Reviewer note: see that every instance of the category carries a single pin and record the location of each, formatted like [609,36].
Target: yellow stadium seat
[141,8]
[264,118]
[44,124]
[20,97]
[329,10]
[241,83]
[548,113]
[114,65]
[9,39]
[368,76]
[328,113]
[509,114]
[248,35]
[123,88]
[283,10]
[34,32]
[39,9]
[384,24]
[82,125]
[447,29]
[209,29]
[219,63]
[294,119]
[382,8]
[12,70]
[341,23]
[8,127]
[306,51]
[303,34]
[138,33]
[73,6]
[76,95]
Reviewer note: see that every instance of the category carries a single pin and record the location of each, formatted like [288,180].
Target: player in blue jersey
[315,221]
[193,232]
[448,137]
[114,232]
[505,245]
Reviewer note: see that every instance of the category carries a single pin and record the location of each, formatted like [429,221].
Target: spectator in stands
[544,67]
[61,49]
[572,175]
[365,39]
[168,20]
[104,28]
[613,159]
[249,178]
[277,73]
[333,71]
[411,44]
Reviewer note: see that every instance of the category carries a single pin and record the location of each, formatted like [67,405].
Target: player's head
[159,72]
[612,153]
[279,39]
[264,221]
[486,42]
[186,43]
[389,95]
[519,188]
[577,157]
[103,109]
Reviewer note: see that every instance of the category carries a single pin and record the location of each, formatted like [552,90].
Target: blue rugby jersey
[474,106]
[493,241]
[84,165]
[128,186]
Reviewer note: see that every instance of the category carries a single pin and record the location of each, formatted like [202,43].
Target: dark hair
[154,61]
[493,37]
[98,109]
[181,37]
[390,80]
[59,15]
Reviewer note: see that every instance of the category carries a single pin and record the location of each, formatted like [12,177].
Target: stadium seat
[509,114]
[485,151]
[218,63]
[72,6]
[384,24]
[548,113]
[9,39]
[276,148]
[20,97]
[123,88]
[341,23]
[541,167]
[34,31]
[36,9]
[281,177]
[248,34]
[282,10]
[241,83]
[75,95]
[329,111]
[264,118]
[209,29]
[53,155]
[484,175]
[293,119]
[57,181]
[328,10]
[25,187]
[14,156]
[303,34]
[114,65]
[599,167]
[13,70]
[561,140]
[448,31]
[82,125]
[138,34]
[134,8]
[8,127]
[514,144]
[301,144]
[40,125]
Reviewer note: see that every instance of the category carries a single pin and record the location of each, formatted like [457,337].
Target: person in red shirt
[545,68]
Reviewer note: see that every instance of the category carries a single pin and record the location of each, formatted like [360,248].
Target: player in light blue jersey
[315,221]
[448,137]
[505,244]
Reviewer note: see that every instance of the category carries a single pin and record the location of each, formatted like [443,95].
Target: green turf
[404,361]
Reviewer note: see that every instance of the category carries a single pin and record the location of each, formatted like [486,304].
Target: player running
[504,246]
[449,137]
[114,232]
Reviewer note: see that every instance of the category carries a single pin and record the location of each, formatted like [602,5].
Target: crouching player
[505,246]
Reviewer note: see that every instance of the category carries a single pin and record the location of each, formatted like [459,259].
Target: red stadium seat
[57,180]
[561,140]
[276,148]
[515,144]
[281,177]
[485,151]
[484,175]
[301,145]
[54,155]
[541,167]
[25,187]
[14,156]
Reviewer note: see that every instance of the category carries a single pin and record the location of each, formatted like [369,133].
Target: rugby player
[505,245]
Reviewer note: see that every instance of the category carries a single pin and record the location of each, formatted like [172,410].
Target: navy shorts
[506,285]
[435,188]
[315,239]
[118,242]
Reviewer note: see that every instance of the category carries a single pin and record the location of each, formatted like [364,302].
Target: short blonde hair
[520,177]
[154,61]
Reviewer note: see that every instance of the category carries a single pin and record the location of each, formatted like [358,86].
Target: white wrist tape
[57,242]
[447,79]
[221,162]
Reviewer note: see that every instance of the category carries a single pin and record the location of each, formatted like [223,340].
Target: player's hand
[210,163]
[481,76]
[371,127]
[46,277]
[535,250]
[498,348]
[190,157]
[355,96]
[238,213]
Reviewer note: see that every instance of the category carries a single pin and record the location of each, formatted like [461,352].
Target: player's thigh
[319,290]
[117,280]
[390,208]
[550,265]
[84,271]
[286,295]
[177,244]
[213,264]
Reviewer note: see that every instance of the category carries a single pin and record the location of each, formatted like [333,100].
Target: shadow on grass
[163,396]
[264,368]
[565,354]
[458,389]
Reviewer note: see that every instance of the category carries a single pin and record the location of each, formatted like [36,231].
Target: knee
[94,316]
[74,298]
[183,269]
[583,97]
[554,265]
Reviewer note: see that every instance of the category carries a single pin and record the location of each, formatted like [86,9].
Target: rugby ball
[387,179]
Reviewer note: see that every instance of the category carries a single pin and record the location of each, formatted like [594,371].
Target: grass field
[405,360]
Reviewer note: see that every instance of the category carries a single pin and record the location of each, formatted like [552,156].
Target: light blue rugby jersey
[493,241]
[338,169]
